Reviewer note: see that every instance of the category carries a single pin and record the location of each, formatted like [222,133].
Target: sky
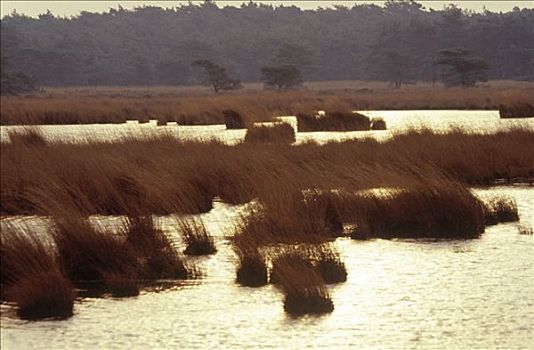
[72,8]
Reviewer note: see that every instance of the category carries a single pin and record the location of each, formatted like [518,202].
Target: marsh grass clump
[329,265]
[233,119]
[48,294]
[281,133]
[288,256]
[500,209]
[378,123]
[303,287]
[516,110]
[333,121]
[32,277]
[322,258]
[159,259]
[196,238]
[251,269]
[92,254]
[444,210]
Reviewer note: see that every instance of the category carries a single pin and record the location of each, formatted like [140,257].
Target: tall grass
[164,176]
[282,133]
[159,259]
[333,121]
[190,106]
[233,119]
[501,209]
[303,287]
[517,110]
[32,277]
[196,238]
[435,210]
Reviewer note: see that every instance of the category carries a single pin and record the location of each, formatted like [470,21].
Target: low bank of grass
[517,110]
[32,277]
[333,121]
[116,105]
[276,133]
[162,175]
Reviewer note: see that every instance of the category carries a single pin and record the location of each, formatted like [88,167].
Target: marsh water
[397,121]
[400,294]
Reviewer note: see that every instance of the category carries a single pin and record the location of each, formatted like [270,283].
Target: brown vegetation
[500,209]
[196,238]
[303,287]
[275,133]
[333,121]
[517,110]
[233,119]
[378,123]
[435,210]
[197,106]
[163,175]
[32,277]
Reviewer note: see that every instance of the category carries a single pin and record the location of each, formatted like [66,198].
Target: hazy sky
[70,8]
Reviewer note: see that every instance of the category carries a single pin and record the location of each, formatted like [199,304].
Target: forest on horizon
[153,46]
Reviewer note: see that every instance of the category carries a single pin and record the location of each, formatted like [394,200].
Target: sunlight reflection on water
[399,294]
[438,120]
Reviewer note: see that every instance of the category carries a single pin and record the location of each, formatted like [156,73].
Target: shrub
[233,119]
[196,238]
[275,133]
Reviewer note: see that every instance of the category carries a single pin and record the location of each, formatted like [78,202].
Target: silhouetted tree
[217,76]
[463,68]
[281,77]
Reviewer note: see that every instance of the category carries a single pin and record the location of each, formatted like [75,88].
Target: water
[439,120]
[412,294]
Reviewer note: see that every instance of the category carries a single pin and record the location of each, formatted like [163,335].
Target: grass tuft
[281,133]
[31,276]
[196,238]
[233,119]
[501,209]
[378,123]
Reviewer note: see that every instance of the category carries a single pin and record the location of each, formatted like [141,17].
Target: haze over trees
[399,42]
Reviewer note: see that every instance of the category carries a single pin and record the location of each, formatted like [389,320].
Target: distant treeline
[398,42]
